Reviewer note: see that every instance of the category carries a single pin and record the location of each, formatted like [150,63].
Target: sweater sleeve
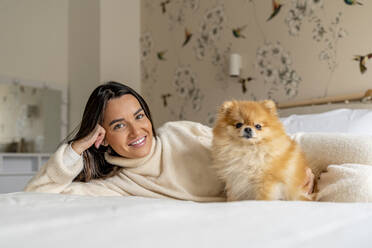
[58,173]
[70,157]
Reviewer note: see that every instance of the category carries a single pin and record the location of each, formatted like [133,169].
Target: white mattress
[53,220]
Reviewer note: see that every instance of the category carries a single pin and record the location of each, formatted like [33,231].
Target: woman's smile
[138,142]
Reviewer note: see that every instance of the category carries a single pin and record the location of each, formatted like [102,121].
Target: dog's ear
[270,105]
[225,107]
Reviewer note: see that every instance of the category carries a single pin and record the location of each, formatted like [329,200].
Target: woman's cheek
[113,139]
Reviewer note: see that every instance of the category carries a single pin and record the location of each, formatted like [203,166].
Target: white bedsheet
[54,220]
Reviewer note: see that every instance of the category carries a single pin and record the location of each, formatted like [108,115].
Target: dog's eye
[258,126]
[238,125]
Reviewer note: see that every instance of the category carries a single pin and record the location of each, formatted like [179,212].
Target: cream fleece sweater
[178,166]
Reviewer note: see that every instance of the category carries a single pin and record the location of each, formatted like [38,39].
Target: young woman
[117,152]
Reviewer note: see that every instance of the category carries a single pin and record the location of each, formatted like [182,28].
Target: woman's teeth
[138,141]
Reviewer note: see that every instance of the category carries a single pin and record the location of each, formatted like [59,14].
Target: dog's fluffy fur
[254,156]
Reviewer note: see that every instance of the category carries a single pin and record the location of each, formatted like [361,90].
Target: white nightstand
[16,169]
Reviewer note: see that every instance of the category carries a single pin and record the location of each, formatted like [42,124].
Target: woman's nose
[134,130]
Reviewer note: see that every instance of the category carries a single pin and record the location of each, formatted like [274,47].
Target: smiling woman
[116,151]
[114,115]
[129,131]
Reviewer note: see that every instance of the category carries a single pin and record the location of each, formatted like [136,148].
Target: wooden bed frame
[319,105]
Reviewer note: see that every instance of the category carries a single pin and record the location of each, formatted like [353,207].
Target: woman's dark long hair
[95,165]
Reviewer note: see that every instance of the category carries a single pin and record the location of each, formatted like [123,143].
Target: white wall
[120,47]
[83,62]
[74,44]
[34,40]
[103,46]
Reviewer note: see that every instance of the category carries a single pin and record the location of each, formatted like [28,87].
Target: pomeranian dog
[254,156]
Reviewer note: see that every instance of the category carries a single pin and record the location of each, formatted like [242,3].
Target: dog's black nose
[248,132]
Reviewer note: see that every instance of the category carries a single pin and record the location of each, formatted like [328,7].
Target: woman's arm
[58,173]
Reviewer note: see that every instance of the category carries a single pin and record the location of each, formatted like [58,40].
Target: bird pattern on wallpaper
[161,55]
[326,35]
[165,97]
[362,59]
[243,82]
[202,32]
[190,95]
[352,2]
[188,36]
[276,8]
[163,6]
[237,32]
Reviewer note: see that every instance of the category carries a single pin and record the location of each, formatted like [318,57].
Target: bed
[56,220]
[51,220]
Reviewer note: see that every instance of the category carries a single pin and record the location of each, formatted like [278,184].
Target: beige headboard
[322,108]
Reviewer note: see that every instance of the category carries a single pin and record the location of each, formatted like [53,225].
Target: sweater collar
[134,162]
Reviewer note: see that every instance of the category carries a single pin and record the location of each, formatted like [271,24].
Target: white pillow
[357,121]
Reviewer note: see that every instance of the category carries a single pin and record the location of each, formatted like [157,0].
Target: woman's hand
[96,137]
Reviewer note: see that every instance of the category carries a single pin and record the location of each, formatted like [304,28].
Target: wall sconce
[235,65]
[235,70]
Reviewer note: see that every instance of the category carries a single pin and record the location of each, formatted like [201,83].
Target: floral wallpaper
[291,50]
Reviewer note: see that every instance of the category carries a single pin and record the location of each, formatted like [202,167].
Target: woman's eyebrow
[117,120]
[139,110]
[122,119]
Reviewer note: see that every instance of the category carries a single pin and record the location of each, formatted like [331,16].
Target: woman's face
[128,130]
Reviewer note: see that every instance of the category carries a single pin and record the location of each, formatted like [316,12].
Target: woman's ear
[104,142]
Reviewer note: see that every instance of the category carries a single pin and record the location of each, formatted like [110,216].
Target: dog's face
[248,121]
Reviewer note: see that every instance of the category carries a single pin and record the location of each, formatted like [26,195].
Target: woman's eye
[238,125]
[140,116]
[258,126]
[118,126]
